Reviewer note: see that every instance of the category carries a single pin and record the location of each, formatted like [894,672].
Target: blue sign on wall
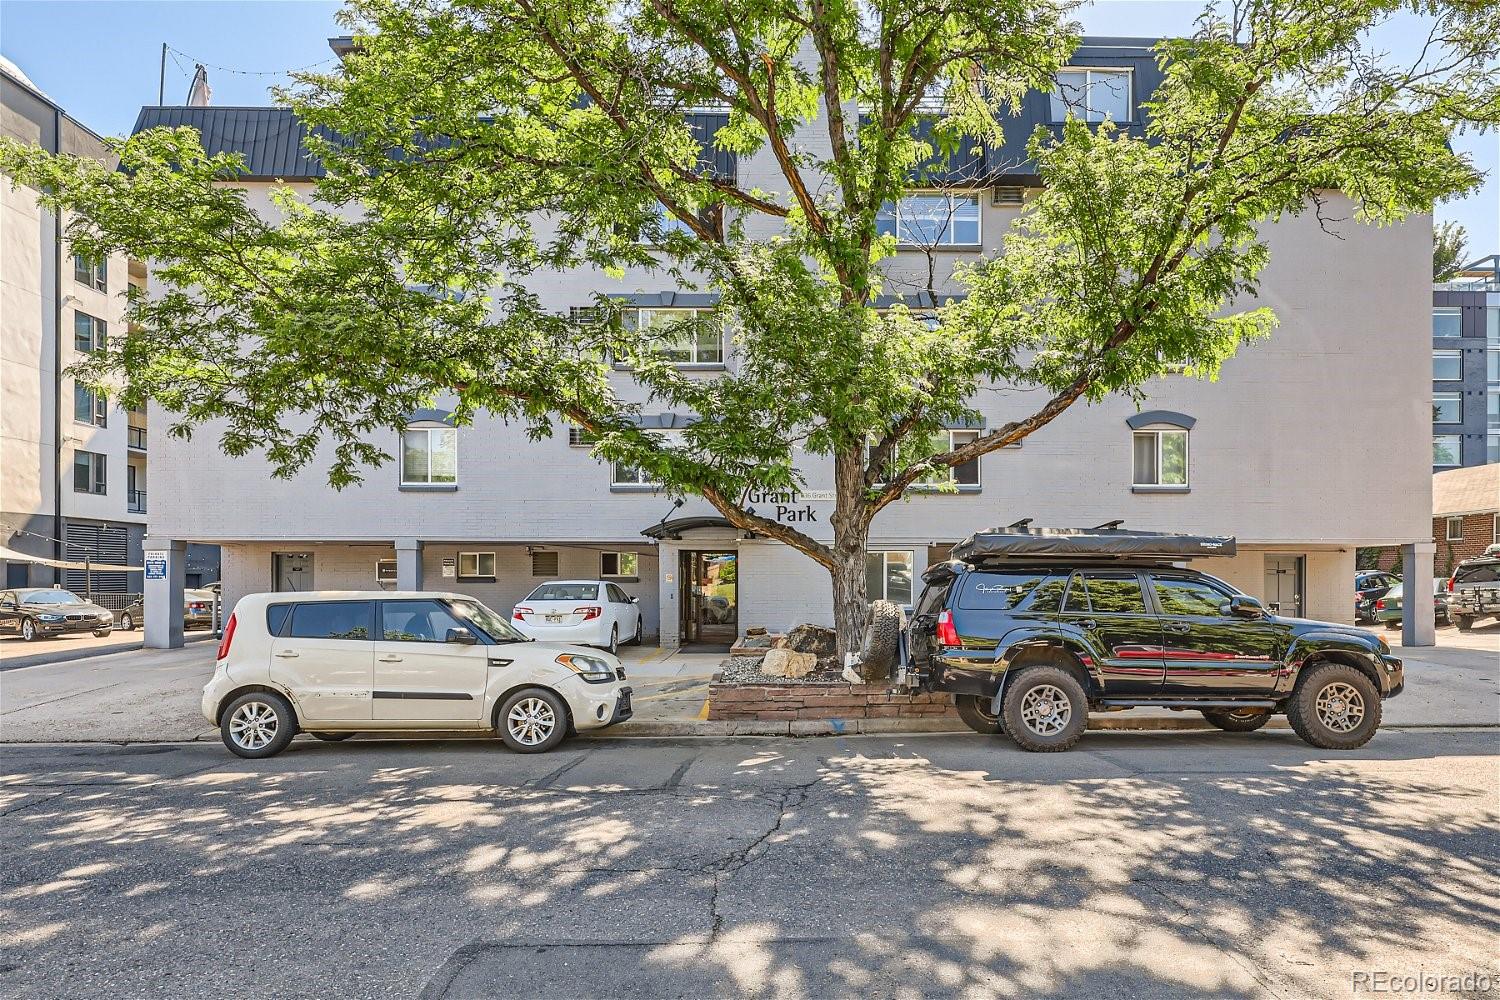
[156,568]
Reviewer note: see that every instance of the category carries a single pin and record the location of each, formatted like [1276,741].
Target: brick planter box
[814,702]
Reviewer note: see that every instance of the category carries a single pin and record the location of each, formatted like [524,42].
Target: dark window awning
[675,527]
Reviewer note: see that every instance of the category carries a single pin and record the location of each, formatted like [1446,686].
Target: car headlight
[107,617]
[1385,647]
[590,668]
[50,618]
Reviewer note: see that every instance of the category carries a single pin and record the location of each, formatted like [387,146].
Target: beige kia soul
[338,663]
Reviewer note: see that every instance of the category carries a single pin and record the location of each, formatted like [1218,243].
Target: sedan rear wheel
[127,622]
[533,720]
[614,639]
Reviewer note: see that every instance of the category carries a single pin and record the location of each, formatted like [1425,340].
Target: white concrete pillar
[408,564]
[166,573]
[1416,589]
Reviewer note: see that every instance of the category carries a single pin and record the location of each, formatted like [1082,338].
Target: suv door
[419,675]
[324,657]
[1108,609]
[1209,652]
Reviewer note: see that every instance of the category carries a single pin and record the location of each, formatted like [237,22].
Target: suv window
[276,615]
[1483,573]
[1107,593]
[416,621]
[997,591]
[931,601]
[1188,597]
[331,620]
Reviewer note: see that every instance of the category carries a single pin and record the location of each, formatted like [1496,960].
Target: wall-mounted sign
[156,565]
[787,506]
[450,568]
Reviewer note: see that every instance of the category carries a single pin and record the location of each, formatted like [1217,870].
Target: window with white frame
[1492,410]
[385,571]
[666,223]
[680,338]
[1447,449]
[1161,458]
[1092,94]
[1495,529]
[1447,366]
[962,476]
[620,565]
[1447,321]
[888,576]
[627,475]
[1492,447]
[1492,324]
[90,472]
[1447,408]
[89,407]
[476,566]
[932,219]
[1455,531]
[1492,366]
[95,274]
[429,456]
[89,333]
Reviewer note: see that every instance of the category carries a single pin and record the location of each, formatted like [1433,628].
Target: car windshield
[565,592]
[52,597]
[494,626]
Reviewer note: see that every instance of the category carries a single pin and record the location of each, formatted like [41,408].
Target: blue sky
[101,60]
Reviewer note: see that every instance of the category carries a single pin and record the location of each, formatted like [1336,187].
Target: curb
[847,727]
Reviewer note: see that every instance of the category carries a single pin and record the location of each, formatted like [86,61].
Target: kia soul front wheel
[533,720]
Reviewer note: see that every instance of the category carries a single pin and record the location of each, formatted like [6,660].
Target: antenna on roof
[1023,522]
[1108,525]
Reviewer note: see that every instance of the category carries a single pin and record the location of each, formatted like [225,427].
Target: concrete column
[408,564]
[1416,590]
[166,572]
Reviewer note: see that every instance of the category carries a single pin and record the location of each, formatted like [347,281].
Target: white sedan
[581,612]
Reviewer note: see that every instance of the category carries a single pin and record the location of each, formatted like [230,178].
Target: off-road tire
[882,641]
[1030,680]
[285,725]
[1303,712]
[1237,720]
[974,710]
[331,737]
[560,724]
[1464,622]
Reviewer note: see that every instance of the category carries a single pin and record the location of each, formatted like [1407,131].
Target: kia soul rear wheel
[258,724]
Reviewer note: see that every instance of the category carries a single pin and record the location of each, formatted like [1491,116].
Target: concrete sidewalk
[152,696]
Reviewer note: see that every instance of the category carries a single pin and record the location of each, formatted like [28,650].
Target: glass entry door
[710,597]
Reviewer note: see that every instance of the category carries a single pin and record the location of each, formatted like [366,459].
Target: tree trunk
[851,534]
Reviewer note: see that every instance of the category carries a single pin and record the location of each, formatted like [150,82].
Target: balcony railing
[136,438]
[135,501]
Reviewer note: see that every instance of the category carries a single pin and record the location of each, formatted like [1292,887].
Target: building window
[1492,410]
[1447,366]
[478,566]
[620,565]
[1455,531]
[932,219]
[87,272]
[965,476]
[545,564]
[1447,321]
[1495,529]
[429,456]
[688,342]
[1092,94]
[1492,447]
[1492,324]
[1492,366]
[90,472]
[90,407]
[1161,459]
[1446,449]
[89,333]
[666,223]
[1447,408]
[888,576]
[628,475]
[385,571]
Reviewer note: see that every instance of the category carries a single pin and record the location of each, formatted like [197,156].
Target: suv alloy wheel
[1045,709]
[1335,707]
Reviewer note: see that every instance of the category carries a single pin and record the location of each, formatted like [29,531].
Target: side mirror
[462,636]
[1243,606]
[635,600]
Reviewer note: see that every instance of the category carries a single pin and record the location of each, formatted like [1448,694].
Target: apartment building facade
[1276,452]
[1466,367]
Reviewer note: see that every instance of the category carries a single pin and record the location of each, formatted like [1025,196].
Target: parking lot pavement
[1141,864]
[16,652]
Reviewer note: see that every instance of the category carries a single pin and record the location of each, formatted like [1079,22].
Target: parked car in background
[36,613]
[334,664]
[1388,608]
[197,611]
[133,616]
[1474,590]
[587,612]
[1369,587]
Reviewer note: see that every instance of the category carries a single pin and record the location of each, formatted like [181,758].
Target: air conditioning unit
[1007,195]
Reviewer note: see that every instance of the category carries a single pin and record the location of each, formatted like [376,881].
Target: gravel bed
[746,670]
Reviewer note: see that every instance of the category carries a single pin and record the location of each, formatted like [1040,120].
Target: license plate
[554,619]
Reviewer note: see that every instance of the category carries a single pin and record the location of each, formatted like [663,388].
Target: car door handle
[287,654]
[392,659]
[1178,627]
[1088,623]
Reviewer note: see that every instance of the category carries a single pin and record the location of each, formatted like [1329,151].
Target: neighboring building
[1466,367]
[1280,451]
[72,465]
[1465,514]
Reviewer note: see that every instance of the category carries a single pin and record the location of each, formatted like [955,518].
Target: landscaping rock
[787,663]
[815,639]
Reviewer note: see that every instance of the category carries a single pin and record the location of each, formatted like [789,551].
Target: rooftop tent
[1025,542]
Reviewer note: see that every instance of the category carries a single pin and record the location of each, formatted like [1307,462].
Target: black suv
[1032,629]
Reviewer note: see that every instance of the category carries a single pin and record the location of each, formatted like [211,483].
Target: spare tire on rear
[882,646]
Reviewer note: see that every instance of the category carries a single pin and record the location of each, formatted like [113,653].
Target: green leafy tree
[482,146]
[1449,249]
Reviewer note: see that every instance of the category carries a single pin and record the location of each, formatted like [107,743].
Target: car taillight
[1380,604]
[519,614]
[947,635]
[589,613]
[196,606]
[1450,584]
[228,638]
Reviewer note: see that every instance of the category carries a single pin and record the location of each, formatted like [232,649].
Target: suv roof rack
[1107,542]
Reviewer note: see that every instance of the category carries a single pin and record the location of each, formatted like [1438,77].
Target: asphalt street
[1144,864]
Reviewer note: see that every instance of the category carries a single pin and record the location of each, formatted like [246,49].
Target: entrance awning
[675,527]
[11,555]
